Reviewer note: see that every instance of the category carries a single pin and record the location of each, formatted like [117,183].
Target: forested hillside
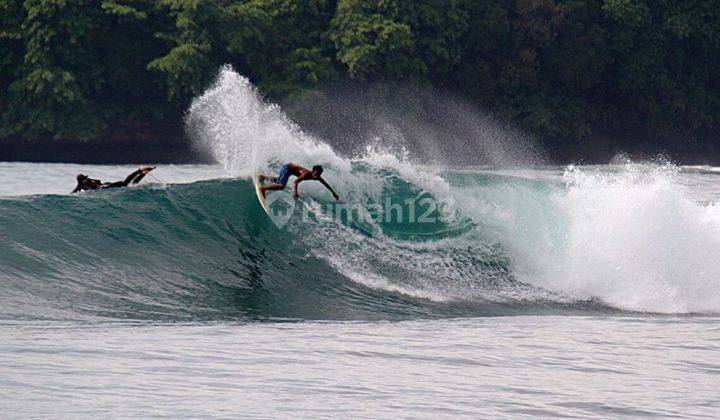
[639,73]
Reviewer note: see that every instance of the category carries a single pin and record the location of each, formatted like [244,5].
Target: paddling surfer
[85,183]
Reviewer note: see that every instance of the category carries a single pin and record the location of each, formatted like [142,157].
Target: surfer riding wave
[290,169]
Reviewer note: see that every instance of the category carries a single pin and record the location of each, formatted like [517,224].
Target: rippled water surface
[487,367]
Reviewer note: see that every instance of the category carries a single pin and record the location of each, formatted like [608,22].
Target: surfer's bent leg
[123,183]
[139,177]
[278,183]
[271,187]
[134,177]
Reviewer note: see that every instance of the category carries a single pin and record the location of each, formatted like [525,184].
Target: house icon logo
[280,207]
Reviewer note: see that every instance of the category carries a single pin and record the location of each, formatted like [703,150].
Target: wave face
[624,238]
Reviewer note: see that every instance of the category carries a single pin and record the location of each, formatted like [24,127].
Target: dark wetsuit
[96,184]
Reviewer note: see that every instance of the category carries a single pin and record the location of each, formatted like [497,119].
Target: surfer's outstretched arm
[322,181]
[314,175]
[298,180]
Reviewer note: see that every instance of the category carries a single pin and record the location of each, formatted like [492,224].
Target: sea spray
[433,125]
[245,133]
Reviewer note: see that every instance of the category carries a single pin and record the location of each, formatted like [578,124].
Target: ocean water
[432,290]
[524,366]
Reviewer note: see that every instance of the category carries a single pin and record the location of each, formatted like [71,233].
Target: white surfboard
[261,199]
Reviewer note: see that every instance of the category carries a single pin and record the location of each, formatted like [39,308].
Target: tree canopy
[562,70]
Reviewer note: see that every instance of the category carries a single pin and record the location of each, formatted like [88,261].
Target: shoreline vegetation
[109,81]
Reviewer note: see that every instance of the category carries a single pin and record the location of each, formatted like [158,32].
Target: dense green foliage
[561,69]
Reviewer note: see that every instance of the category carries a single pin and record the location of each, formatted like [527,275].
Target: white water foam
[244,133]
[634,238]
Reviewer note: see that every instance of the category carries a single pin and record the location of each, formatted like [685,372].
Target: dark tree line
[564,70]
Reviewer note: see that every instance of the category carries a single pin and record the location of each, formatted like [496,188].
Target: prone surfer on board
[84,182]
[303,174]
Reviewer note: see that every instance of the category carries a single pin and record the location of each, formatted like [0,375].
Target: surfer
[303,174]
[84,182]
